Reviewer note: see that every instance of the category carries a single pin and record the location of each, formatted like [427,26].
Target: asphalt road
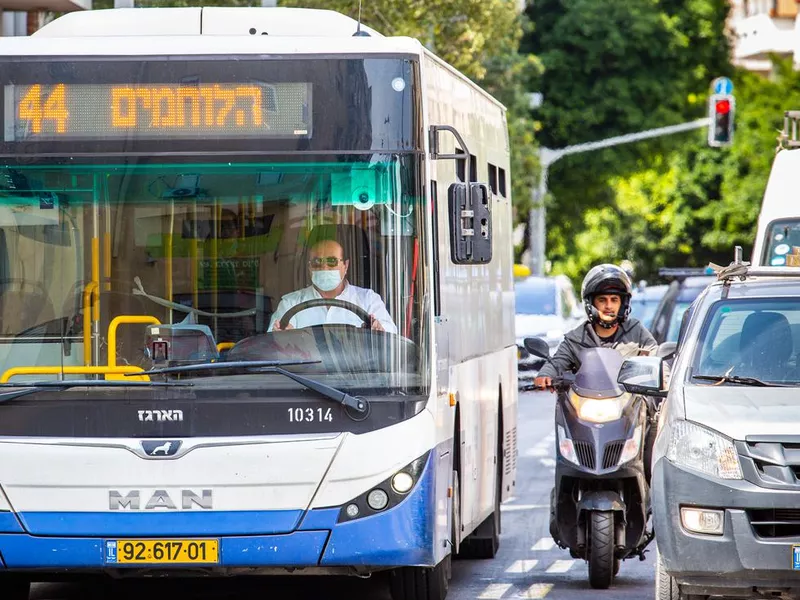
[527,566]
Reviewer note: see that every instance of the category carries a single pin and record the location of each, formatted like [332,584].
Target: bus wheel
[485,540]
[421,583]
[14,587]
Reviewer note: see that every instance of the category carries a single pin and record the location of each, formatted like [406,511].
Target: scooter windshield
[597,376]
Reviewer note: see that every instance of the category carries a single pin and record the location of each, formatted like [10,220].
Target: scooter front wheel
[601,549]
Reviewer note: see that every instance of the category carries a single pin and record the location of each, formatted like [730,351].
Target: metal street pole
[537,222]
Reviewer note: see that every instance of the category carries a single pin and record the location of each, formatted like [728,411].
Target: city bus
[177,188]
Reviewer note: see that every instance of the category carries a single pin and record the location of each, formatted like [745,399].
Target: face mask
[326,280]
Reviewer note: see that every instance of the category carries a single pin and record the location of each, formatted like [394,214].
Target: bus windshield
[165,263]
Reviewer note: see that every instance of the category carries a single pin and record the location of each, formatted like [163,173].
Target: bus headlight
[385,494]
[402,482]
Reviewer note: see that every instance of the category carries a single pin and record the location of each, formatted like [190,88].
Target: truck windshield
[782,236]
[160,264]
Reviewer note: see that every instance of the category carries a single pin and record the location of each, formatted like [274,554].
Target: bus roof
[205,31]
[216,31]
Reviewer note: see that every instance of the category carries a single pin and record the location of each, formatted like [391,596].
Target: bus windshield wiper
[273,366]
[740,380]
[27,388]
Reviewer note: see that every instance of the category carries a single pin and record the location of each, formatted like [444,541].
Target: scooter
[599,507]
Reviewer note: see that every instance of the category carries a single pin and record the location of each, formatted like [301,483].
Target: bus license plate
[140,552]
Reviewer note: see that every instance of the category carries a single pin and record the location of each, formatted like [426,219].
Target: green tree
[611,68]
[691,205]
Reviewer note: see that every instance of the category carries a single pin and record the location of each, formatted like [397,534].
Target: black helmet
[606,279]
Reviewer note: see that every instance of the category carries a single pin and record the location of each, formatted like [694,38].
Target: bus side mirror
[470,212]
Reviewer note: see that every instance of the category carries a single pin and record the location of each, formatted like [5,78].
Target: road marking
[537,591]
[544,544]
[521,566]
[547,462]
[536,452]
[561,566]
[516,507]
[495,591]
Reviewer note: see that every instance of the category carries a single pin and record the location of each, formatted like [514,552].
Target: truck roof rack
[684,272]
[789,137]
[741,269]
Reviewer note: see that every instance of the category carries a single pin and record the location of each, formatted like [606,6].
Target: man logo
[157,448]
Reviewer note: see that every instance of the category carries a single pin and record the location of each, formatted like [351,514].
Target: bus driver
[328,268]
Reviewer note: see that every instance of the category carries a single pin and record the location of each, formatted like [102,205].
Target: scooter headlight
[599,410]
[565,446]
[632,446]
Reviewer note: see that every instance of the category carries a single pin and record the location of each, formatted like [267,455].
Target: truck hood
[740,411]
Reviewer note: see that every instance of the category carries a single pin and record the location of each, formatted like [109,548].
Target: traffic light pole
[547,156]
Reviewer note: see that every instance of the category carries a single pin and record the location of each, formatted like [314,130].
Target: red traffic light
[722,107]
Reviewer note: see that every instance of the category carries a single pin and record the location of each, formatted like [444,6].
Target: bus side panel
[475,332]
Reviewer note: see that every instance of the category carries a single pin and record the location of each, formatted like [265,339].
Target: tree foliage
[692,204]
[618,67]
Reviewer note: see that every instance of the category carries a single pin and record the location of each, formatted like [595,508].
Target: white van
[779,220]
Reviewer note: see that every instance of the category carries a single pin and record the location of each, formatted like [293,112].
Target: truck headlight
[704,450]
[599,410]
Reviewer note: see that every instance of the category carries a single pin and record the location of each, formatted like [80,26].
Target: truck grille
[771,463]
[775,522]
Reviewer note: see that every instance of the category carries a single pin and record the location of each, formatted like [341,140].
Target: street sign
[722,85]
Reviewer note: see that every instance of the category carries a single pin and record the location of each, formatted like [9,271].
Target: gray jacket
[632,339]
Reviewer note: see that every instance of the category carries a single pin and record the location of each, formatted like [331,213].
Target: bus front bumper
[399,536]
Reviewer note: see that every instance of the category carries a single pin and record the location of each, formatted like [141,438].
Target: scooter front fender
[602,501]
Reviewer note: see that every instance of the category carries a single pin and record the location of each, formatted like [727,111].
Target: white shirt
[362,297]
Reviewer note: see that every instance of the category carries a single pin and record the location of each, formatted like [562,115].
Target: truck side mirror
[643,375]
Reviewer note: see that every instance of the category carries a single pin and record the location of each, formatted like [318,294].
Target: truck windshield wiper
[740,380]
[27,388]
[273,366]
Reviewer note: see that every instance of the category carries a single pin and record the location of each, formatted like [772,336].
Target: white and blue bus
[171,183]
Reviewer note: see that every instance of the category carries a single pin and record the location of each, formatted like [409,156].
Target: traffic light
[721,110]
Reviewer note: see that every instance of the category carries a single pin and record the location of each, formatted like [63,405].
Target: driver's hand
[277,326]
[375,324]
[543,382]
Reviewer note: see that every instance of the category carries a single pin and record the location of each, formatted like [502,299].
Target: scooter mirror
[643,375]
[667,350]
[537,347]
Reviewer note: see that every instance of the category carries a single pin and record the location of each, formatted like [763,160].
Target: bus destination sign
[162,111]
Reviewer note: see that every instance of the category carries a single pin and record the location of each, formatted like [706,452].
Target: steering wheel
[359,312]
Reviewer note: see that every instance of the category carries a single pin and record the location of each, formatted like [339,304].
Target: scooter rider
[606,293]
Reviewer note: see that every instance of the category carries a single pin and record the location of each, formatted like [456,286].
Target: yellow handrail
[225,346]
[112,332]
[91,291]
[9,373]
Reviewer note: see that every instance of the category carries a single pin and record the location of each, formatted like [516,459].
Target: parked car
[681,292]
[725,487]
[645,301]
[547,308]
